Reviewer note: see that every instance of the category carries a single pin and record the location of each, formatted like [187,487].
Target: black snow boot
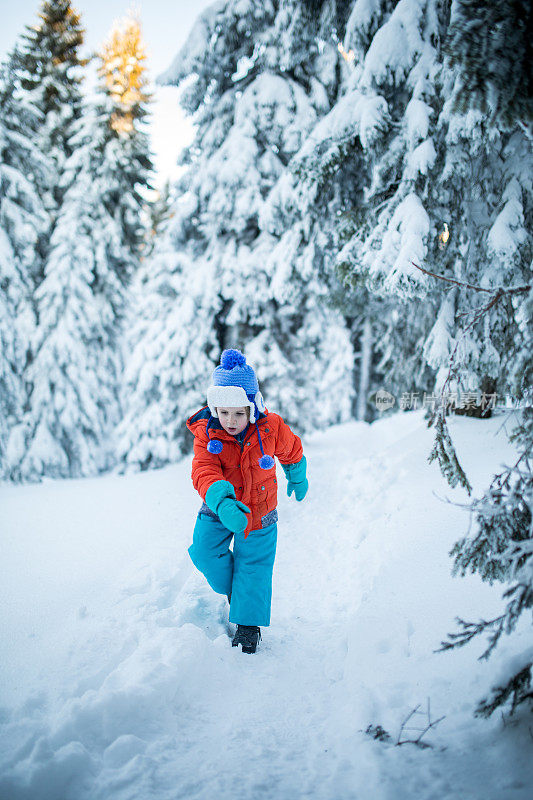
[248,636]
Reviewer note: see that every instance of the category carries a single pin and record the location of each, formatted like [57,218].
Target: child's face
[234,420]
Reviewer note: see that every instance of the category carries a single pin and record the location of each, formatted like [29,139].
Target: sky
[165,25]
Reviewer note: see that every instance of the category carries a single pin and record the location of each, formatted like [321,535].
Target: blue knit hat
[234,385]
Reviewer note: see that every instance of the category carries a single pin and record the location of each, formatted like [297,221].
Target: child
[233,469]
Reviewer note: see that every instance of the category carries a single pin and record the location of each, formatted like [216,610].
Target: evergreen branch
[505,623]
[523,600]
[519,686]
[497,295]
[524,455]
[444,451]
[479,313]
[472,629]
[500,547]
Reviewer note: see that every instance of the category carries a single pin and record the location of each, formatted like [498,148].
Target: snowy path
[129,688]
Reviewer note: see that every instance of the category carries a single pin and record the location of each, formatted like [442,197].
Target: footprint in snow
[200,606]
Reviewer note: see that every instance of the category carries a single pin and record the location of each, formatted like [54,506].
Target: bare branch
[498,290]
[418,741]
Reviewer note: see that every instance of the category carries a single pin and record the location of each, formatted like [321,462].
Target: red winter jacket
[255,487]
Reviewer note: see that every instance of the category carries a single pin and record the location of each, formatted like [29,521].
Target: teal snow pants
[246,572]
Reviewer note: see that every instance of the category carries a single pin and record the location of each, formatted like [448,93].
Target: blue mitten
[299,489]
[231,515]
[220,497]
[296,479]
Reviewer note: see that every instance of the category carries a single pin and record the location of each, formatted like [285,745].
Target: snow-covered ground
[119,682]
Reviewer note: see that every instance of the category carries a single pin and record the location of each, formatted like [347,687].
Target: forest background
[354,212]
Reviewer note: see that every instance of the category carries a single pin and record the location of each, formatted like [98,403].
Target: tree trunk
[364,376]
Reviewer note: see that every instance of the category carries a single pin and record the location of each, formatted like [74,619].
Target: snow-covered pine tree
[491,45]
[501,545]
[172,341]
[169,340]
[124,99]
[263,82]
[50,74]
[304,353]
[430,184]
[220,276]
[486,174]
[346,180]
[82,301]
[383,124]
[486,179]
[159,316]
[22,221]
[421,157]
[73,373]
[501,549]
